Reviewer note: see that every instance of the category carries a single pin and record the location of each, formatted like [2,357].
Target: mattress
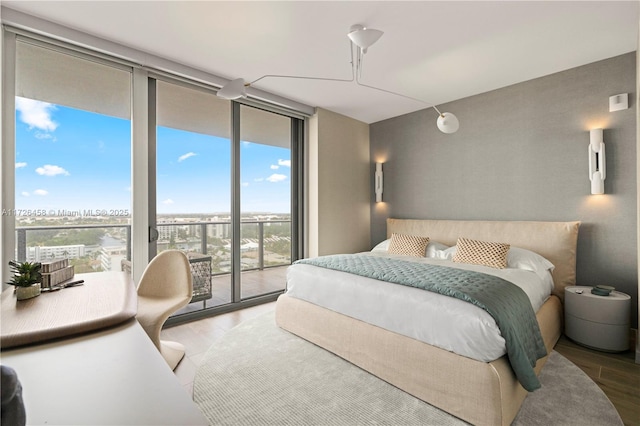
[438,320]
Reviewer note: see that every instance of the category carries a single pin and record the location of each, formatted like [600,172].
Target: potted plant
[26,279]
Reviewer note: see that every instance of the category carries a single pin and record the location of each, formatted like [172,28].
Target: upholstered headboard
[555,241]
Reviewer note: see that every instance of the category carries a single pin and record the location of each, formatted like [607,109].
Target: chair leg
[172,352]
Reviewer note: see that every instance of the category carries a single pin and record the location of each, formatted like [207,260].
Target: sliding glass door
[222,192]
[265,200]
[193,186]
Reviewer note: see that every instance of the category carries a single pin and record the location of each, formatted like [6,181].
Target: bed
[479,391]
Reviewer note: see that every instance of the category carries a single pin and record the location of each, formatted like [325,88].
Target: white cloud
[36,114]
[185,156]
[20,165]
[245,184]
[168,201]
[283,163]
[41,192]
[51,170]
[276,177]
[40,135]
[24,193]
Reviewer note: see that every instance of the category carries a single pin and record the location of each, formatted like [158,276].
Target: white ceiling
[434,51]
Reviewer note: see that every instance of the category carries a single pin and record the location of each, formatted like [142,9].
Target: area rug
[259,374]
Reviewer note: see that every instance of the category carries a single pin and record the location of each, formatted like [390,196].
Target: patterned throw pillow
[481,253]
[409,245]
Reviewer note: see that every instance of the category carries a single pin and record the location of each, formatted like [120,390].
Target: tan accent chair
[165,286]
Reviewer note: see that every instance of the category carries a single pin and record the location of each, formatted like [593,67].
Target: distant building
[164,232]
[219,230]
[111,258]
[42,253]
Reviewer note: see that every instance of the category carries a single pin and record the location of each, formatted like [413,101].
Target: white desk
[111,376]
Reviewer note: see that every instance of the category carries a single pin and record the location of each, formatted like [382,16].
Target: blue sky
[72,159]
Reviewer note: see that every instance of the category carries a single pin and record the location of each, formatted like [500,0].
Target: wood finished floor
[616,374]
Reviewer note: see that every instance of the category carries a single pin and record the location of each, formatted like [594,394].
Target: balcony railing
[199,241]
[21,235]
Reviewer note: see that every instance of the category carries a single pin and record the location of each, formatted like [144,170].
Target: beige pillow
[409,245]
[481,253]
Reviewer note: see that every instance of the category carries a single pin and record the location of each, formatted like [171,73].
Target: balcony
[265,251]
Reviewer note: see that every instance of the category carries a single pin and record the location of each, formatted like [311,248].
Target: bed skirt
[478,392]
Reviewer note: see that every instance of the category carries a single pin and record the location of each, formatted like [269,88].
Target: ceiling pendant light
[447,122]
[362,38]
[235,89]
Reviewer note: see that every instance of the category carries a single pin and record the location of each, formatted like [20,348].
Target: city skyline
[74,160]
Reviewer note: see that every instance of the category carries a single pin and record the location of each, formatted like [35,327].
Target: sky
[69,159]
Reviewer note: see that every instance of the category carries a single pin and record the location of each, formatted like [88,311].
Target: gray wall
[521,154]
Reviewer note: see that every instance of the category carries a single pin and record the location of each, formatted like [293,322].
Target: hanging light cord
[358,74]
[353,76]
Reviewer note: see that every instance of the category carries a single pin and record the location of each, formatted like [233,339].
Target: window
[223,183]
[73,159]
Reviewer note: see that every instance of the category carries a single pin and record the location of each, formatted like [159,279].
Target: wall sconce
[597,168]
[378,182]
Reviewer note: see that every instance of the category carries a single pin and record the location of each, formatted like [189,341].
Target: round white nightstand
[598,322]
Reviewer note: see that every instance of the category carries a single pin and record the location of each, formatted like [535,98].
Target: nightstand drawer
[606,337]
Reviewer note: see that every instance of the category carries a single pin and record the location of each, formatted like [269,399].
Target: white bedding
[442,321]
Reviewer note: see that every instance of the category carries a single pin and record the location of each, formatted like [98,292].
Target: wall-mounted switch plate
[618,102]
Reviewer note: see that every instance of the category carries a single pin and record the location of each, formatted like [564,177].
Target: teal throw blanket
[507,303]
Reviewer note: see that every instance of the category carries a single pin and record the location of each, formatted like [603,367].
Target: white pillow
[517,258]
[447,254]
[383,246]
[520,258]
[434,248]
